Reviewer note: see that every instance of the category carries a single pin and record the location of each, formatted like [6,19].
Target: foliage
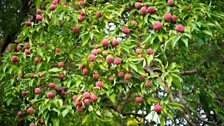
[173,52]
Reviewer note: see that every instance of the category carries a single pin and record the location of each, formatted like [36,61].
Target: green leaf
[175,40]
[55,69]
[55,121]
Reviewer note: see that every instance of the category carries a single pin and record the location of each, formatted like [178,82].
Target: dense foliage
[107,62]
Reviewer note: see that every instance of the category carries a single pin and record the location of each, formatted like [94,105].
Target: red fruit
[98,14]
[81,2]
[79,108]
[173,18]
[18,48]
[111,77]
[24,93]
[55,2]
[78,102]
[82,12]
[151,10]
[133,22]
[50,95]
[96,47]
[109,59]
[61,64]
[170,2]
[138,5]
[22,75]
[141,78]
[27,45]
[52,85]
[96,75]
[179,28]
[28,23]
[63,3]
[80,18]
[41,121]
[63,92]
[105,42]
[19,113]
[92,57]
[126,30]
[138,99]
[74,97]
[99,84]
[167,16]
[86,102]
[61,75]
[75,29]
[32,75]
[30,110]
[143,10]
[85,71]
[82,66]
[37,91]
[93,97]
[37,59]
[94,52]
[27,51]
[157,108]
[117,61]
[56,50]
[115,43]
[157,25]
[33,124]
[86,95]
[127,76]
[38,11]
[120,74]
[138,51]
[52,7]
[148,84]
[14,59]
[150,51]
[39,18]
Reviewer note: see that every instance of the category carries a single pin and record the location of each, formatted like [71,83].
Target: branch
[191,72]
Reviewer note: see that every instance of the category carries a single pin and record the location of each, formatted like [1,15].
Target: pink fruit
[37,91]
[157,108]
[24,93]
[30,110]
[74,97]
[93,97]
[173,18]
[63,92]
[79,108]
[85,71]
[99,84]
[32,75]
[115,42]
[127,76]
[143,10]
[19,113]
[86,102]
[61,75]
[94,52]
[27,51]
[157,25]
[28,23]
[52,85]
[27,45]
[55,2]
[86,95]
[56,50]
[82,66]
[76,29]
[63,3]
[82,12]
[120,74]
[50,95]
[111,77]
[138,5]
[81,2]
[78,102]
[80,18]
[138,51]
[92,57]
[148,84]
[38,11]
[14,59]
[151,10]
[52,7]
[22,75]
[138,99]
[105,42]
[117,61]
[98,14]
[133,22]
[96,75]
[32,124]
[37,59]
[170,2]
[61,64]
[109,59]
[167,16]
[41,121]
[18,48]
[150,51]
[179,28]
[39,18]
[126,30]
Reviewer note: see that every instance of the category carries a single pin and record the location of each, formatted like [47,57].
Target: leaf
[85,119]
[175,40]
[208,32]
[65,112]
[55,121]
[175,105]
[55,70]
[98,112]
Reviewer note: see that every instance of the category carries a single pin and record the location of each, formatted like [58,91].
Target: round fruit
[96,75]
[93,97]
[61,64]
[157,108]
[19,113]
[109,59]
[117,61]
[85,71]
[37,91]
[50,95]
[28,23]
[157,25]
[167,16]
[115,43]
[99,84]
[52,85]
[179,28]
[92,57]
[143,10]
[138,99]
[86,95]
[150,51]
[14,59]
[138,5]
[105,42]
[127,76]
[39,18]
[30,110]
[151,10]
[148,83]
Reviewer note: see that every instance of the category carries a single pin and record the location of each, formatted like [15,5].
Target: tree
[115,63]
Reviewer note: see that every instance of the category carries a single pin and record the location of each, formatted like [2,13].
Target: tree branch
[191,72]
